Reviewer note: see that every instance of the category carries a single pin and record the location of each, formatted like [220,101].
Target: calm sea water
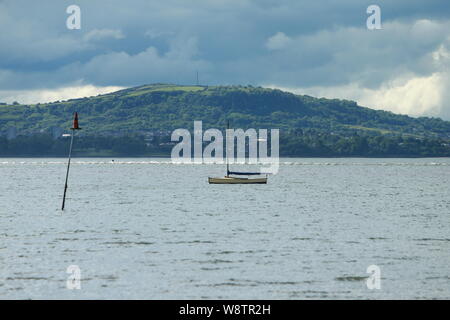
[145,228]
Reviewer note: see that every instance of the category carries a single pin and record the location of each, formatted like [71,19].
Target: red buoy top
[75,122]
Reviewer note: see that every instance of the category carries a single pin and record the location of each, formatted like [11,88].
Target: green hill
[308,126]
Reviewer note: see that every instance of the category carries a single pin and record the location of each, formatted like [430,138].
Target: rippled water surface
[146,228]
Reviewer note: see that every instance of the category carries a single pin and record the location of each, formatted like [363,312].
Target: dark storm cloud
[284,43]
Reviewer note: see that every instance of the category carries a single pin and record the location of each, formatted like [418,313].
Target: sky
[320,48]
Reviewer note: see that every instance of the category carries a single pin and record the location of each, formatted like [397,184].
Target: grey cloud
[289,43]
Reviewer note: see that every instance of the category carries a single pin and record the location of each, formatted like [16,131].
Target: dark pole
[68,168]
[74,127]
[228,165]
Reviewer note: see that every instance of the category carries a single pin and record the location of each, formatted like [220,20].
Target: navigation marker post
[74,127]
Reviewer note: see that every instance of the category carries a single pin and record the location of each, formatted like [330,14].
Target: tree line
[304,144]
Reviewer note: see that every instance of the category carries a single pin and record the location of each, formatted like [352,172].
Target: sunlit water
[145,228]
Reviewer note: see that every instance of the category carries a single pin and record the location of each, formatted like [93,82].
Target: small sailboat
[228,179]
[234,180]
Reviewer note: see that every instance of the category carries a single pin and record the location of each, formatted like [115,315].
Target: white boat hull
[232,180]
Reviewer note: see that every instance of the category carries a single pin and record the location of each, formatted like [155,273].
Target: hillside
[304,121]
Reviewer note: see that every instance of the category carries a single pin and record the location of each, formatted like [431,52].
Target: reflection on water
[145,228]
